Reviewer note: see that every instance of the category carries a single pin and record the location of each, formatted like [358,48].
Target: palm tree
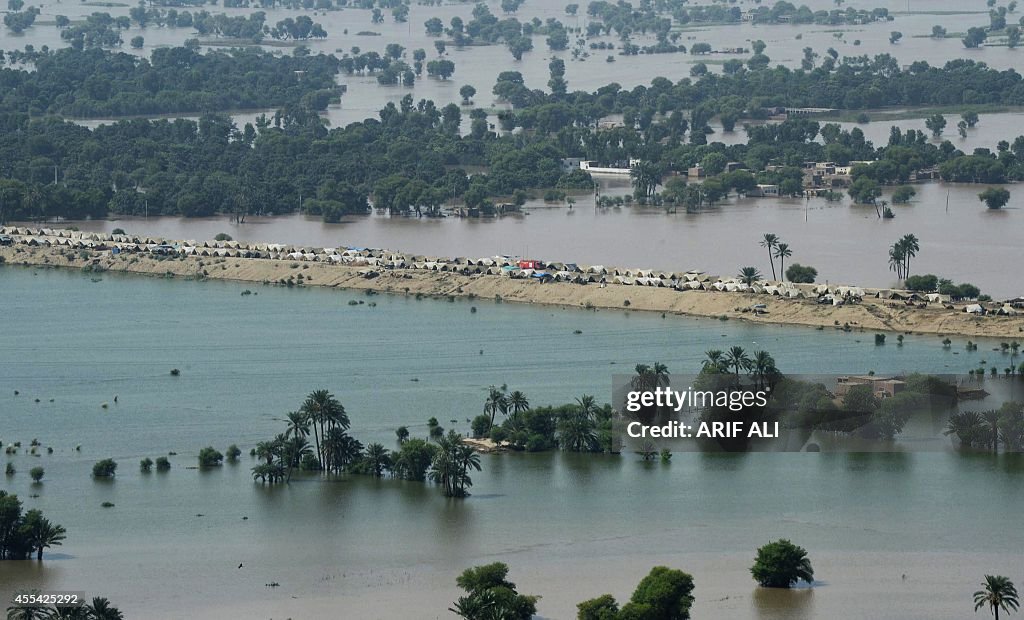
[452,463]
[990,419]
[101,609]
[737,359]
[295,449]
[897,258]
[649,378]
[466,459]
[31,611]
[763,365]
[749,275]
[41,533]
[266,450]
[782,252]
[714,359]
[496,403]
[588,406]
[911,246]
[576,432]
[324,412]
[298,424]
[771,241]
[377,459]
[517,402]
[340,449]
[998,593]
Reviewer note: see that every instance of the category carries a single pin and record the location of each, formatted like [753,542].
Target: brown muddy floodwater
[846,243]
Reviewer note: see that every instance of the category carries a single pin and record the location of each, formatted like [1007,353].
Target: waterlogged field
[171,544]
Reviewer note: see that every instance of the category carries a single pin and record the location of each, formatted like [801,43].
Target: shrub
[10,471]
[146,465]
[162,464]
[223,237]
[233,452]
[104,469]
[37,474]
[209,457]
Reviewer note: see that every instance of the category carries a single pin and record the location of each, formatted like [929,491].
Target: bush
[209,457]
[118,231]
[146,465]
[481,425]
[233,452]
[926,283]
[801,274]
[36,473]
[879,339]
[104,469]
[162,464]
[222,237]
[781,564]
[10,471]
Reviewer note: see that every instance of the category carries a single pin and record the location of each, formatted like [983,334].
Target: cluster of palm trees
[900,254]
[99,608]
[761,366]
[577,429]
[776,249]
[333,449]
[500,400]
[990,429]
[452,464]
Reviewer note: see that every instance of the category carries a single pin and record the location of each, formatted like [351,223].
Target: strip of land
[869,314]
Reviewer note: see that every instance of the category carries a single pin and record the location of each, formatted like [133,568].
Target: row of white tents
[495,265]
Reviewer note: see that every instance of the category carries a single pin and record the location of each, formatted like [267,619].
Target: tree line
[94,82]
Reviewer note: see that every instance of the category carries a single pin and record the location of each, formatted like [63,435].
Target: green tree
[801,274]
[935,124]
[603,607]
[998,593]
[489,594]
[995,197]
[781,564]
[210,457]
[37,474]
[664,594]
[40,534]
[104,469]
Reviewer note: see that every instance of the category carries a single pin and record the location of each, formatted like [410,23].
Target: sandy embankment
[872,314]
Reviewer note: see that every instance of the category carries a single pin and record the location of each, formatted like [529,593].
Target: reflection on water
[776,604]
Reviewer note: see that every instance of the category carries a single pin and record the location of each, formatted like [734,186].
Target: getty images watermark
[736,412]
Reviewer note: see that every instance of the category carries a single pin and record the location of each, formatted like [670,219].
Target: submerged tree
[781,564]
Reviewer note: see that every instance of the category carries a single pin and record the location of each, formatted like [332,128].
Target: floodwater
[897,535]
[967,243]
[479,66]
[844,242]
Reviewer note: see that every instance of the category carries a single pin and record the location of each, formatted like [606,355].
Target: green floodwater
[896,535]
